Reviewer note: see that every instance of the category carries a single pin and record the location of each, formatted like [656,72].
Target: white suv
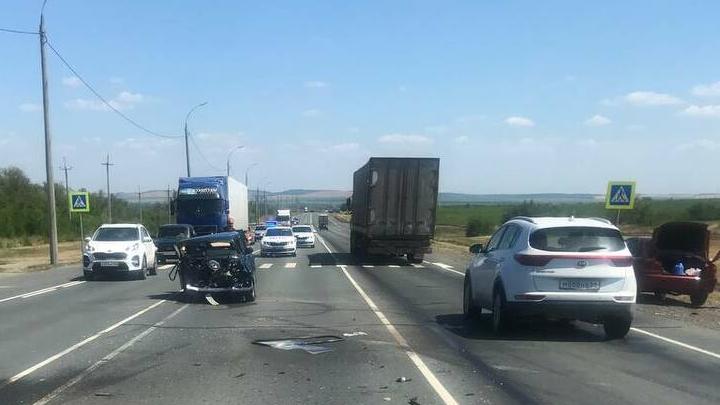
[119,248]
[563,268]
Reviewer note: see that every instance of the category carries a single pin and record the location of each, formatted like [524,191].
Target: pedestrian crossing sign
[620,195]
[79,201]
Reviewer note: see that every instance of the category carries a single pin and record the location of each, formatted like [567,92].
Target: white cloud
[650,98]
[71,81]
[597,120]
[462,139]
[316,84]
[707,90]
[29,107]
[702,111]
[311,113]
[516,121]
[406,139]
[125,100]
[344,147]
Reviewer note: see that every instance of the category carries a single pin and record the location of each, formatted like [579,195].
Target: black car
[217,263]
[168,237]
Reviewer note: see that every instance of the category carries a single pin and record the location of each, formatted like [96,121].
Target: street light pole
[107,165]
[50,182]
[187,148]
[247,182]
[227,161]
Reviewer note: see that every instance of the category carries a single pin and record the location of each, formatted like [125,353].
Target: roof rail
[521,218]
[605,220]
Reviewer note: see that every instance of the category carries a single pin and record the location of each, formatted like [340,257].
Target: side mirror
[476,248]
[87,240]
[717,256]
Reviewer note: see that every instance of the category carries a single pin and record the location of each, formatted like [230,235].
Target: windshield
[279,232]
[117,235]
[577,239]
[301,229]
[172,231]
[260,228]
[199,207]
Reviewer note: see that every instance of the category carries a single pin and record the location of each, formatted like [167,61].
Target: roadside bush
[477,227]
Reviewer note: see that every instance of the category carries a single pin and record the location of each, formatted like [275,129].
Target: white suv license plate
[108,264]
[590,285]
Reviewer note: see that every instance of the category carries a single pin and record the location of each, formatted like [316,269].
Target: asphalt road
[63,340]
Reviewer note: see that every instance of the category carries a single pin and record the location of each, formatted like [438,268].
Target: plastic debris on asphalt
[358,333]
[308,344]
[403,379]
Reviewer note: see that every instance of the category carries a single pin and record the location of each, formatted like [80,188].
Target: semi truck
[394,203]
[283,217]
[211,204]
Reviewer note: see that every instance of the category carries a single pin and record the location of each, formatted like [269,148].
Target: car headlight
[136,261]
[89,248]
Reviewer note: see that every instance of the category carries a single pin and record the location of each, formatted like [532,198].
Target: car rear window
[279,232]
[301,229]
[577,239]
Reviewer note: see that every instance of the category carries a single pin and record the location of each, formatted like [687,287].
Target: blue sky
[514,96]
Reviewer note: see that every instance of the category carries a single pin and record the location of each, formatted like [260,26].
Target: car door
[483,268]
[246,254]
[149,246]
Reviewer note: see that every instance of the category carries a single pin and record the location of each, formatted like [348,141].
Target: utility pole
[257,201]
[66,168]
[50,182]
[169,202]
[140,203]
[107,165]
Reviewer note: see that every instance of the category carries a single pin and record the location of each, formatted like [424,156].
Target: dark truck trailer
[393,207]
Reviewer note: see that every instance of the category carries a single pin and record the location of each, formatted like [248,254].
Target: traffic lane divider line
[49,397]
[436,385]
[290,265]
[677,343]
[42,291]
[76,346]
[445,267]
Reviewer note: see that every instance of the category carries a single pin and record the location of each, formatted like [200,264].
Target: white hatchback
[562,268]
[119,248]
[304,235]
[277,241]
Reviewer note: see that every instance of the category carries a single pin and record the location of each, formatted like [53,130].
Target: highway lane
[204,353]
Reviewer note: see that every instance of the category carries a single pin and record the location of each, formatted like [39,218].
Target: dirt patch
[36,258]
[342,217]
[678,307]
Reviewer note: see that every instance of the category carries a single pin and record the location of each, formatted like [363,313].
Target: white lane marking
[368,266]
[76,346]
[445,267]
[417,266]
[266,265]
[675,342]
[49,397]
[394,266]
[440,389]
[316,266]
[211,300]
[290,265]
[42,291]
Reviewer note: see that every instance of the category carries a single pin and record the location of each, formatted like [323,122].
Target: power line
[203,156]
[19,31]
[99,96]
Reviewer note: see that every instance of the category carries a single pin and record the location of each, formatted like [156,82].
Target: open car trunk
[681,242]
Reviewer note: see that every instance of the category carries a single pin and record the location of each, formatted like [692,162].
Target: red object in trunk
[656,258]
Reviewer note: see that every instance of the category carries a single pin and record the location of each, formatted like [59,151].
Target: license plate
[108,264]
[579,285]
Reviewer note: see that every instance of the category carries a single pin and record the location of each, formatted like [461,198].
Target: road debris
[413,401]
[103,394]
[403,379]
[308,344]
[358,333]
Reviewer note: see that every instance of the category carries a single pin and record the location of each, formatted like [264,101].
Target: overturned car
[216,263]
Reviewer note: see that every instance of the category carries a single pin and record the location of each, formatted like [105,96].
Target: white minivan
[119,249]
[563,268]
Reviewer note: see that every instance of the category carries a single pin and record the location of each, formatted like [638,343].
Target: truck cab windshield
[200,207]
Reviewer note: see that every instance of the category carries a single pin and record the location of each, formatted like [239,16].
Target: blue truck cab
[210,204]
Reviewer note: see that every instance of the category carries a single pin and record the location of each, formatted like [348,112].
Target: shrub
[477,227]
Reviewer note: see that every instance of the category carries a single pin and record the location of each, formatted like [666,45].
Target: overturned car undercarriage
[218,263]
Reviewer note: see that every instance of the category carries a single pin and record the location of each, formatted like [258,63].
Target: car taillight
[621,261]
[533,260]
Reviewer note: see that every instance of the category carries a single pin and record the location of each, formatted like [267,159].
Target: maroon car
[675,261]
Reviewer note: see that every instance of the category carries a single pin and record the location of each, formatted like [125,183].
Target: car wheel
[153,270]
[697,299]
[142,274]
[500,317]
[470,310]
[250,297]
[415,258]
[88,276]
[660,295]
[617,327]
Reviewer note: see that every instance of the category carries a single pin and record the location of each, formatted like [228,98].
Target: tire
[470,309]
[252,295]
[698,298]
[187,296]
[617,327]
[660,295]
[88,276]
[500,318]
[153,270]
[294,253]
[415,258]
[142,274]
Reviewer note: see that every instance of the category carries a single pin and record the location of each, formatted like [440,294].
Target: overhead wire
[104,101]
[19,31]
[203,155]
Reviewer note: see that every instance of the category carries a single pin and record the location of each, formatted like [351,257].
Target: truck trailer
[210,203]
[394,203]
